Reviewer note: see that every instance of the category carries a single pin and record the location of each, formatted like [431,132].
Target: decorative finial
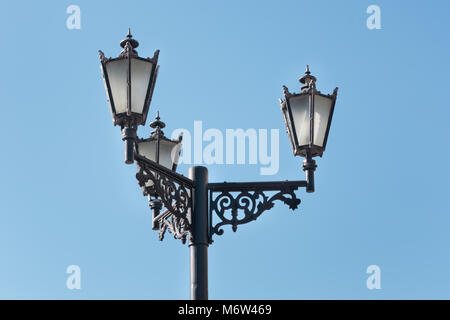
[308,80]
[131,42]
[157,123]
[307,70]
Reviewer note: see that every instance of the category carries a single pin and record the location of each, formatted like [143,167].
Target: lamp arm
[232,203]
[249,198]
[178,178]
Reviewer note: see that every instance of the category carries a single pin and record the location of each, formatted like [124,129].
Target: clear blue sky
[382,187]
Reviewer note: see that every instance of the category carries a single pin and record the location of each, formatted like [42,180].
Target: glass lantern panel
[169,153]
[117,75]
[140,78]
[322,108]
[300,115]
[287,119]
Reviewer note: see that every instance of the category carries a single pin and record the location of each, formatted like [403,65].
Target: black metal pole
[198,242]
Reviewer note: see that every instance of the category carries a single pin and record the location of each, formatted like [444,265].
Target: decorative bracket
[175,193]
[248,198]
[166,221]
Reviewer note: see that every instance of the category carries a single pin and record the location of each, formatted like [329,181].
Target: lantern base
[129,137]
[309,166]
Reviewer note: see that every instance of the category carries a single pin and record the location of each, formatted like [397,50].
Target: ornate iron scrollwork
[249,199]
[175,197]
[233,203]
[175,193]
[179,228]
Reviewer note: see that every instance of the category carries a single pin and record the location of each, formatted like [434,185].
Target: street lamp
[129,83]
[196,209]
[307,116]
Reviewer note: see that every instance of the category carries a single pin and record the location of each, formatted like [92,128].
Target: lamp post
[194,207]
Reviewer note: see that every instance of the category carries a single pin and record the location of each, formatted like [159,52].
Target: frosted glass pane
[147,149]
[140,77]
[166,158]
[322,108]
[117,74]
[168,153]
[300,114]
[288,123]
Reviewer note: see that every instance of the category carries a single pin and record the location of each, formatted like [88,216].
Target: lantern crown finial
[306,71]
[132,42]
[157,123]
[308,80]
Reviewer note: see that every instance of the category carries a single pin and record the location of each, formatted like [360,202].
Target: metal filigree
[175,193]
[175,197]
[179,228]
[240,203]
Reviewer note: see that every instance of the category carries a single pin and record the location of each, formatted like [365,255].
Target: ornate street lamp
[196,209]
[307,116]
[129,84]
